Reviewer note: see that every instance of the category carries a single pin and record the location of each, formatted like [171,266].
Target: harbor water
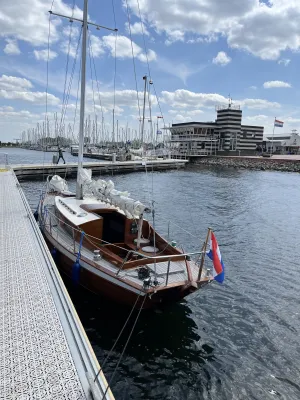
[239,340]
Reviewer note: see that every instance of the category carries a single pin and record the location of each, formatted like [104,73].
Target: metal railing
[52,222]
[192,137]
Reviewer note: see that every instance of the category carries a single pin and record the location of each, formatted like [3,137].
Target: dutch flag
[215,255]
[278,123]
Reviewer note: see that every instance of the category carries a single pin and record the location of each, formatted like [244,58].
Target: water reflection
[224,342]
[166,344]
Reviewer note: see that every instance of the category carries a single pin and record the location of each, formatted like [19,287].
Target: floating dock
[98,156]
[45,353]
[35,171]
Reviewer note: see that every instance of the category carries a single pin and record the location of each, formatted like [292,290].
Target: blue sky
[199,52]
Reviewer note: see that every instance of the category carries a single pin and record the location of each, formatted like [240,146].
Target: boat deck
[177,269]
[45,352]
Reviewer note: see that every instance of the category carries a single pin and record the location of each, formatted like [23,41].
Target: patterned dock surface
[45,353]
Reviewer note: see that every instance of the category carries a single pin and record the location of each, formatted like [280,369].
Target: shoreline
[256,163]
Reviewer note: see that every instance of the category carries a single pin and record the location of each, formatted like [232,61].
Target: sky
[197,53]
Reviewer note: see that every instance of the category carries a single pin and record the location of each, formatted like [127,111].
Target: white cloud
[253,87]
[291,120]
[11,47]
[284,61]
[264,29]
[6,108]
[43,54]
[4,113]
[182,71]
[123,48]
[13,83]
[151,56]
[186,99]
[96,46]
[268,29]
[276,84]
[175,36]
[137,28]
[259,104]
[181,118]
[28,20]
[201,39]
[123,98]
[69,48]
[256,118]
[14,88]
[32,97]
[221,59]
[182,98]
[185,115]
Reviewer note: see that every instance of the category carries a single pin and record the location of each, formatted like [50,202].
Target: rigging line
[90,58]
[152,134]
[64,111]
[146,54]
[87,236]
[76,105]
[70,81]
[133,59]
[153,141]
[98,89]
[47,73]
[178,226]
[160,110]
[112,244]
[125,346]
[190,212]
[68,57]
[47,78]
[144,40]
[115,63]
[120,334]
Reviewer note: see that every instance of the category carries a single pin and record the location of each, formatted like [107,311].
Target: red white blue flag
[215,255]
[278,123]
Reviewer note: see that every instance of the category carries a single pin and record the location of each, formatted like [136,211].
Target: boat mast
[85,24]
[143,120]
[82,99]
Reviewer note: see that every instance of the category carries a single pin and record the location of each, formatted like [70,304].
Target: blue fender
[76,272]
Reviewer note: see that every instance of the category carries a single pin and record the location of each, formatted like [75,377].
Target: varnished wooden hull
[122,295]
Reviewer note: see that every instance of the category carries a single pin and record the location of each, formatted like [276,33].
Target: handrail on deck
[168,257]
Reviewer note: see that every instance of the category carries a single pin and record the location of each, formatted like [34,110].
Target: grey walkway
[32,171]
[44,351]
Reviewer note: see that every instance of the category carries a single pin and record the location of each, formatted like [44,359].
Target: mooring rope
[125,346]
[120,334]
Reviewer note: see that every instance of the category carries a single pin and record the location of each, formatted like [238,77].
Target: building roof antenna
[229,101]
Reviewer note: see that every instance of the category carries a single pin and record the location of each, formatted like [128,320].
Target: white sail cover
[57,184]
[105,191]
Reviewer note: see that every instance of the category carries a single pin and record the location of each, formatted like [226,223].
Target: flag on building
[215,255]
[278,123]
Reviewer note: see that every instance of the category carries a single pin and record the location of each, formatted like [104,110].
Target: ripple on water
[235,341]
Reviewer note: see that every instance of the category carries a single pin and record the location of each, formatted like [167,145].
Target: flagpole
[203,254]
[271,152]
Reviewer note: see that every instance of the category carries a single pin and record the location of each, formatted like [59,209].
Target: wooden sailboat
[104,242]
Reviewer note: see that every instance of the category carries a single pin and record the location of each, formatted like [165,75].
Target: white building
[225,136]
[287,143]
